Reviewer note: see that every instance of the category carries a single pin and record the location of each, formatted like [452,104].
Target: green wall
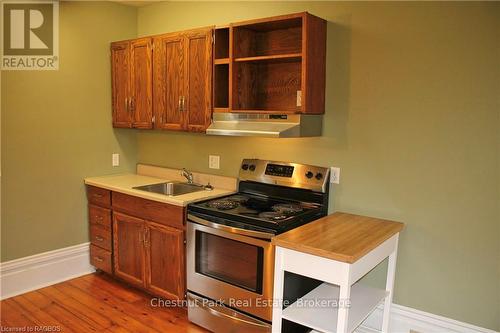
[56,130]
[413,121]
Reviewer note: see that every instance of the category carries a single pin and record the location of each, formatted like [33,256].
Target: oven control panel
[285,174]
[279,170]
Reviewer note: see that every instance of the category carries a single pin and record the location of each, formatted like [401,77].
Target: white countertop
[124,183]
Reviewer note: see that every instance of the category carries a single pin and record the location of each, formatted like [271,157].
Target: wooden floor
[92,303]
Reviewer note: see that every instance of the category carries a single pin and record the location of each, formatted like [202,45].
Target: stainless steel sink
[171,188]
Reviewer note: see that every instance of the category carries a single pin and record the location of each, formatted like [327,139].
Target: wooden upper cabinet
[198,103]
[120,84]
[165,261]
[169,77]
[277,65]
[141,92]
[128,248]
[175,81]
[132,83]
[183,80]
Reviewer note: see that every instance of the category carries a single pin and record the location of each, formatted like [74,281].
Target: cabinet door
[197,104]
[141,83]
[165,261]
[120,77]
[169,78]
[128,248]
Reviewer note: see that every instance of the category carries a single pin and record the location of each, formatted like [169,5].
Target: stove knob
[309,174]
[252,167]
[244,166]
[319,175]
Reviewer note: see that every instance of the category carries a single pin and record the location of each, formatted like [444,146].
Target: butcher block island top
[340,236]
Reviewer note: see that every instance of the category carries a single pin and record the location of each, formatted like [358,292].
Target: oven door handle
[233,230]
[223,314]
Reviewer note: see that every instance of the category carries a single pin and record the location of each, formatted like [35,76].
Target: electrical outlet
[334,175]
[214,161]
[115,160]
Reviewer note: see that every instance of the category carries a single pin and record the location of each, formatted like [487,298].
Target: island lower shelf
[323,316]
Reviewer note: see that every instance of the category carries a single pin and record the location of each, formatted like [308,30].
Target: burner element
[272,216]
[288,208]
[223,204]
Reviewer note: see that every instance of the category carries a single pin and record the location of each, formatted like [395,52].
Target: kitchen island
[338,249]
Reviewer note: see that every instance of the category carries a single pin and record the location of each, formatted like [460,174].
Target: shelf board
[220,109]
[221,61]
[272,58]
[265,111]
[364,300]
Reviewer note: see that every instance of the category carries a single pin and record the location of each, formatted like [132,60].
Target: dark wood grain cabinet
[99,211]
[183,80]
[139,241]
[278,65]
[174,81]
[128,249]
[132,86]
[165,261]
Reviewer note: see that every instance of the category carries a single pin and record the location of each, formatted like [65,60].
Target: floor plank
[92,303]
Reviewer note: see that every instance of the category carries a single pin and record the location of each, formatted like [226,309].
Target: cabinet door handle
[99,259]
[179,106]
[132,104]
[183,103]
[99,238]
[146,236]
[126,104]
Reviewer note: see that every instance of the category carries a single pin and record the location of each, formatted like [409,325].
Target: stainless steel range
[230,259]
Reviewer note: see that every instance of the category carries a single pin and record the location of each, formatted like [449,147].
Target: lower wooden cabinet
[100,259]
[139,241]
[149,255]
[165,261]
[128,249]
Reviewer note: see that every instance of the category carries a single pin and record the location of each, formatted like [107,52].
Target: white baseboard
[41,270]
[404,319]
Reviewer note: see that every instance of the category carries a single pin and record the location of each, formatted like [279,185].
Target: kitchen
[410,100]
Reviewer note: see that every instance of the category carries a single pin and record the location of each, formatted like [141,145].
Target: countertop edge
[166,200]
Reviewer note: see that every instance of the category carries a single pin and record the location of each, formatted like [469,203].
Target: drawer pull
[99,259]
[97,195]
[98,218]
[99,238]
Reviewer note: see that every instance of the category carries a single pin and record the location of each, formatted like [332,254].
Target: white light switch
[334,175]
[115,160]
[214,161]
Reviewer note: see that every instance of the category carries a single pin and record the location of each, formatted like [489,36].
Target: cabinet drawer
[100,259]
[100,236]
[162,213]
[98,196]
[100,216]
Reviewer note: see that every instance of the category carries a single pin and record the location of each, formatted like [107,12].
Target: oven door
[227,265]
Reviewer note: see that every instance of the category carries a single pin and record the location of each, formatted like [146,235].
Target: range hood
[266,125]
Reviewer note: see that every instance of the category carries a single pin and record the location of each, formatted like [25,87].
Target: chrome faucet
[188,175]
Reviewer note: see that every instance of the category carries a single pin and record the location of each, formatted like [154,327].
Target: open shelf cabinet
[272,65]
[278,65]
[221,70]
[323,318]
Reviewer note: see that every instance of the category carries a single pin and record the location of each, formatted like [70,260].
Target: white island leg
[343,311]
[389,286]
